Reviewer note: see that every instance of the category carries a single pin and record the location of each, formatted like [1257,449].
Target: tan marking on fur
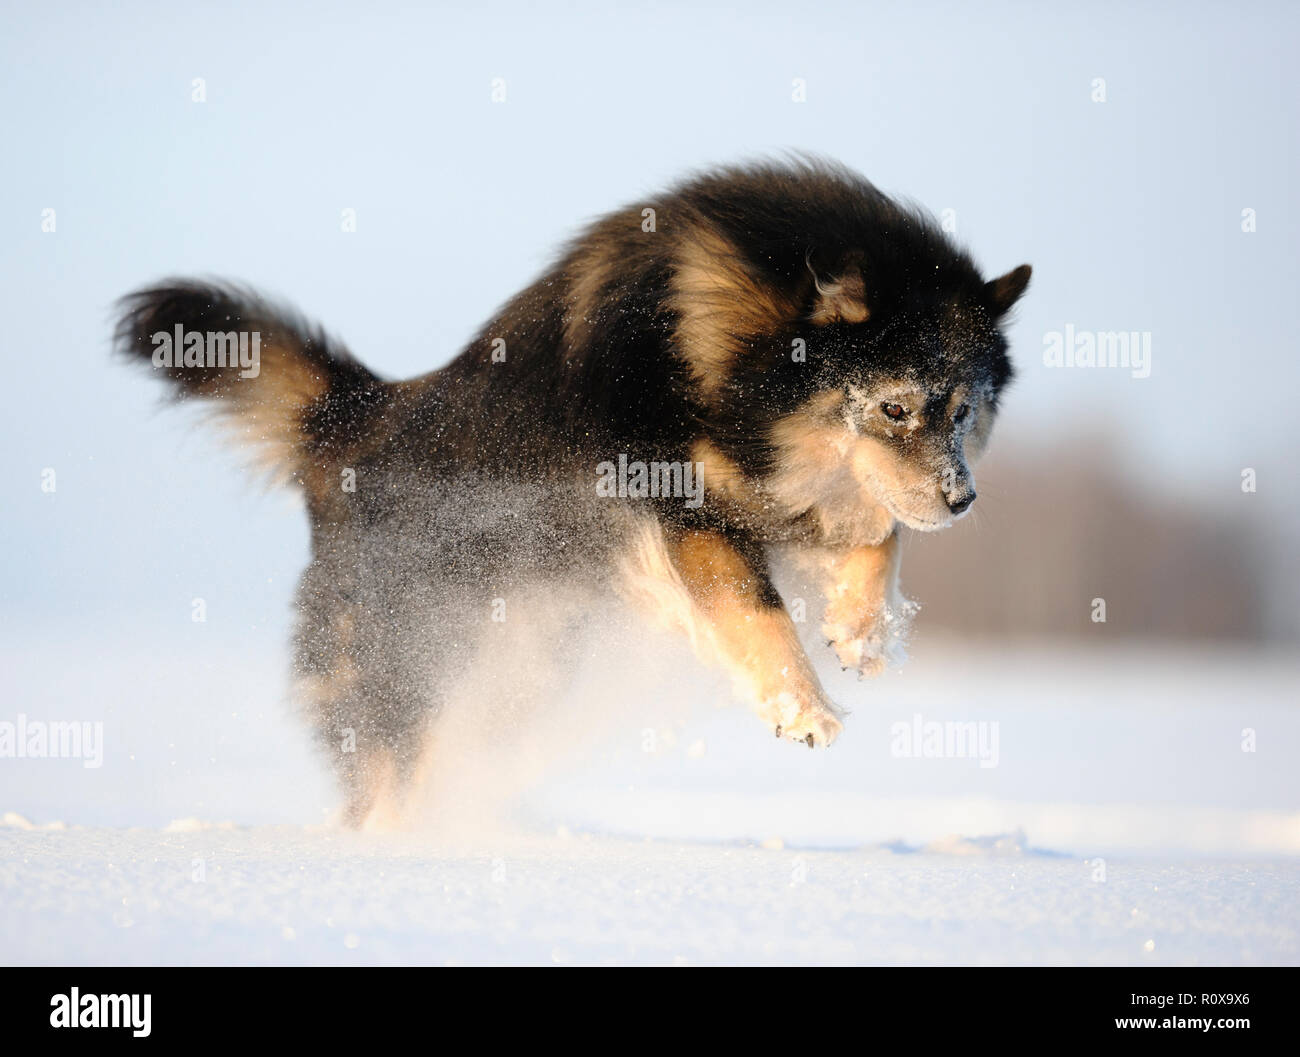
[726,481]
[719,302]
[265,413]
[590,273]
[841,301]
[722,472]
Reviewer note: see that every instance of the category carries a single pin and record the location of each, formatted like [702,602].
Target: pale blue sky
[1128,209]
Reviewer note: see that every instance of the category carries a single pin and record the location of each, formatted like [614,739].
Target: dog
[770,358]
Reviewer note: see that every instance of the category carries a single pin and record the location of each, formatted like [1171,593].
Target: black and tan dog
[823,361]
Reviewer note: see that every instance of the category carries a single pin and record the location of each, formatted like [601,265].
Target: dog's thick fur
[828,359]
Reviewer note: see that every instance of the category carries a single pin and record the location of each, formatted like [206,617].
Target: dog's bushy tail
[294,394]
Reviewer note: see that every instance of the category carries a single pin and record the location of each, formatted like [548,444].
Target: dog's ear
[840,295]
[1005,290]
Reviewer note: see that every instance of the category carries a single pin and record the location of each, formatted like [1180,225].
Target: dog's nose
[961,503]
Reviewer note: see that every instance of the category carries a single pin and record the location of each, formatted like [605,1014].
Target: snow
[286,894]
[1122,824]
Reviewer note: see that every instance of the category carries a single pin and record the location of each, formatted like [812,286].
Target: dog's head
[906,371]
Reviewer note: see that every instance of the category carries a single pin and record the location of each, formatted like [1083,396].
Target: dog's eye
[894,411]
[960,414]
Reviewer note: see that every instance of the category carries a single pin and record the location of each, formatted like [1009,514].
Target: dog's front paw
[815,723]
[875,643]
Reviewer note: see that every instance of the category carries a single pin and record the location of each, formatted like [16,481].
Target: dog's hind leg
[375,738]
[368,703]
[336,705]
